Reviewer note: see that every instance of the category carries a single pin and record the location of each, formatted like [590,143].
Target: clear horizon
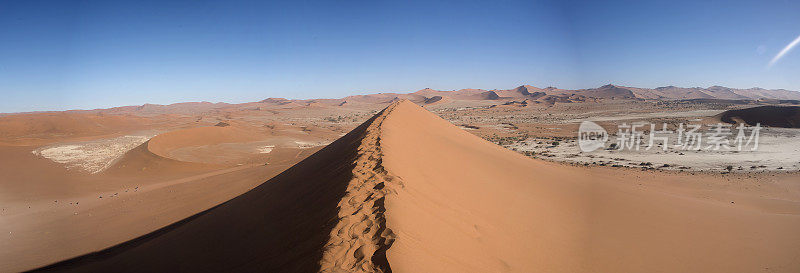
[361,93]
[89,55]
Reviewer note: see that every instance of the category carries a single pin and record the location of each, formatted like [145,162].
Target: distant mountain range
[552,94]
[521,95]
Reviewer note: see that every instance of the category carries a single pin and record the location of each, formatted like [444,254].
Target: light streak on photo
[784,51]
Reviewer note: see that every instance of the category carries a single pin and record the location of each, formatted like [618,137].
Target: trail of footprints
[359,241]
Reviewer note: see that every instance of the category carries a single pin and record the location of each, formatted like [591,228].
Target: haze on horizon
[81,55]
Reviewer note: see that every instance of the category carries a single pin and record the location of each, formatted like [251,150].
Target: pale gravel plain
[91,156]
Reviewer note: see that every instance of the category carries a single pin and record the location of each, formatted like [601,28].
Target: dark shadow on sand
[280,226]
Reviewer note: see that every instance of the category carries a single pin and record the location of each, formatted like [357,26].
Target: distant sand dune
[141,160]
[774,116]
[165,143]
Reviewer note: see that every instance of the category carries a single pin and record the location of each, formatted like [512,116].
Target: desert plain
[431,181]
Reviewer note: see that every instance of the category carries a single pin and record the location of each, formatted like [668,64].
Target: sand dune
[469,206]
[141,160]
[164,143]
[281,225]
[774,116]
[50,212]
[47,125]
[409,192]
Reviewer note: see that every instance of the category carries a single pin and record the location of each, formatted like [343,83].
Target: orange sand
[409,192]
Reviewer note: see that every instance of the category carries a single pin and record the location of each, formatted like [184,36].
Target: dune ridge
[360,239]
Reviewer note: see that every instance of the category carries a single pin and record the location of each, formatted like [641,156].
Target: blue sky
[57,55]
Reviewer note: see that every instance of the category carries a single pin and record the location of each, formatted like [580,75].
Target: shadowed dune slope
[774,116]
[282,225]
[409,192]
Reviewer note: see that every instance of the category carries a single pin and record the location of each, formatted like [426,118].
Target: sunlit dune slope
[164,143]
[41,128]
[466,205]
[141,160]
[409,192]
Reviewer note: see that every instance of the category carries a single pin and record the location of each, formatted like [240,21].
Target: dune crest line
[359,240]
